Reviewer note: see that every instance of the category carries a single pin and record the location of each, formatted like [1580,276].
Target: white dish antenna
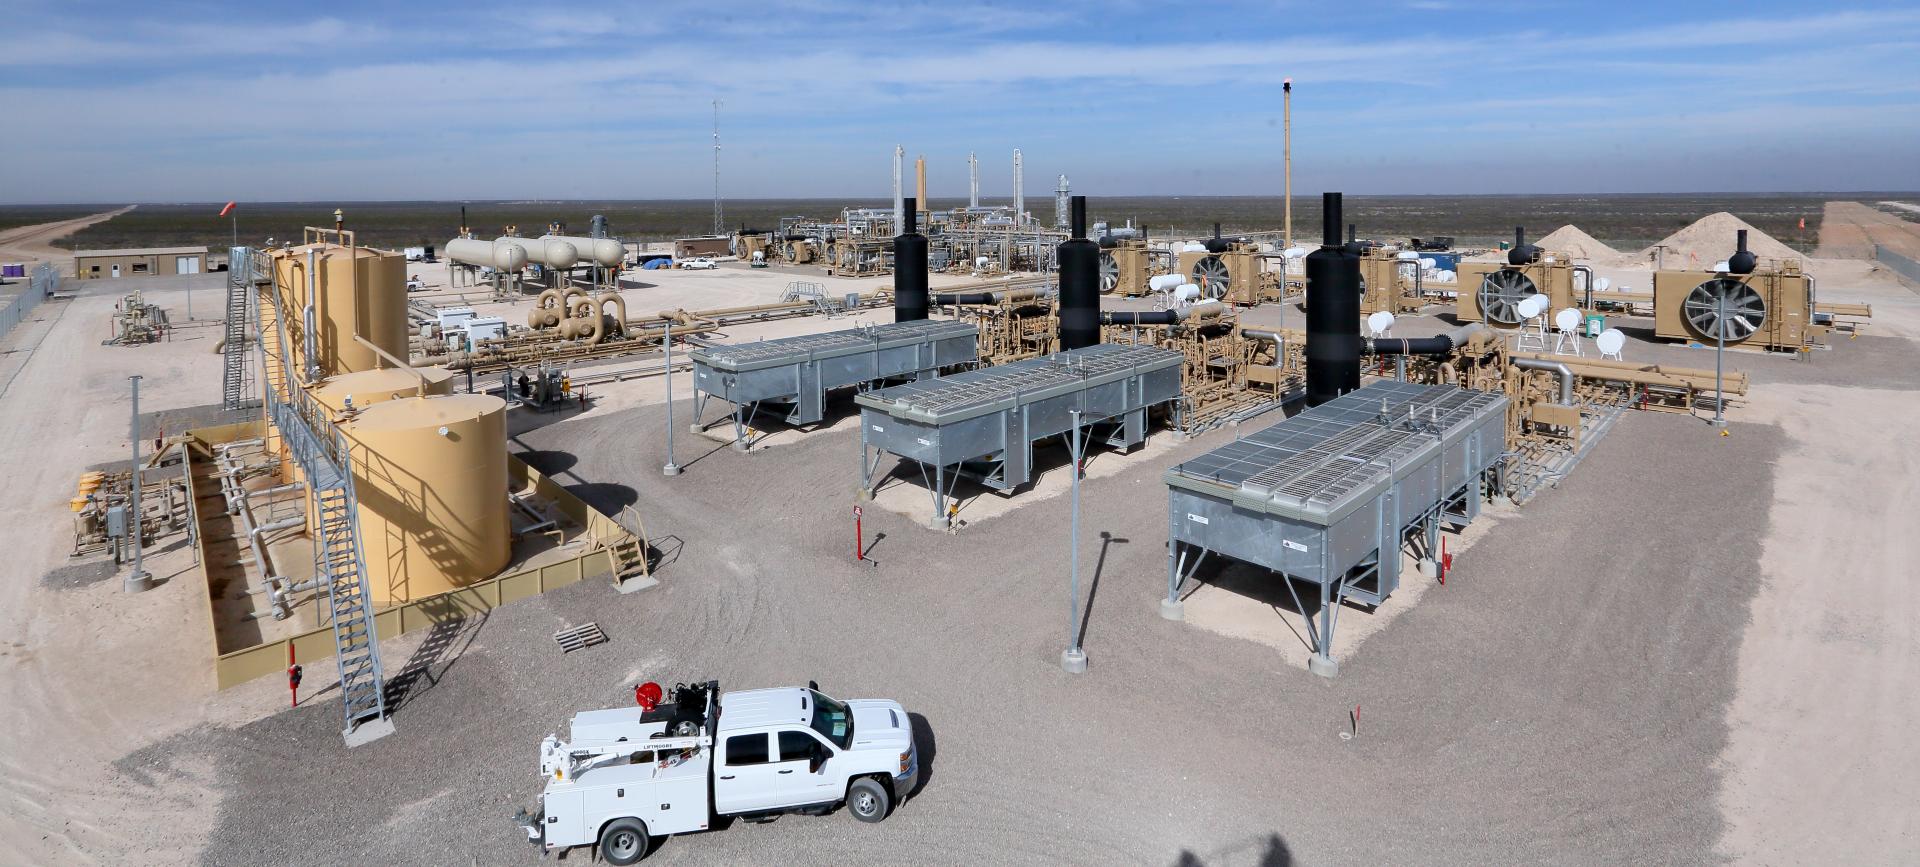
[1532,306]
[1602,284]
[1379,322]
[1568,320]
[1610,341]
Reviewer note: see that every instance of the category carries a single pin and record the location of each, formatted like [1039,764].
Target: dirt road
[1850,229]
[35,243]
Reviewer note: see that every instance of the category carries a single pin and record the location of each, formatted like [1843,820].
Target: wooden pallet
[576,637]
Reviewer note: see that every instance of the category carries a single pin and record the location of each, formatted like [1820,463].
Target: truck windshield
[832,720]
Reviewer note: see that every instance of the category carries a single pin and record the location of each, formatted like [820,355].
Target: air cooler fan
[1724,309]
[1109,272]
[1501,293]
[1212,276]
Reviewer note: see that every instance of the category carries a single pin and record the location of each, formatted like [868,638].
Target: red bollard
[859,539]
[293,677]
[1446,561]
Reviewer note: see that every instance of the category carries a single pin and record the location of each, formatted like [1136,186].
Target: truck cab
[631,775]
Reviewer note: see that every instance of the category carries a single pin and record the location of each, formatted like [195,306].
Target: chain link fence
[1901,265]
[40,287]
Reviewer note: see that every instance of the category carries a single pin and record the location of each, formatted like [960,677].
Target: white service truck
[632,775]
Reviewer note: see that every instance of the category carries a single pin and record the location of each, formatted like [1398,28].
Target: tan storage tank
[357,290]
[369,387]
[431,477]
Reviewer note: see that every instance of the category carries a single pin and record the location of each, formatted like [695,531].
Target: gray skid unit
[1330,496]
[796,372]
[982,423]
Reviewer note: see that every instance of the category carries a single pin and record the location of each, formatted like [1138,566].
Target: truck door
[801,775]
[743,780]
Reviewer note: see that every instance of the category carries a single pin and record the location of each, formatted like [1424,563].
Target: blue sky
[350,100]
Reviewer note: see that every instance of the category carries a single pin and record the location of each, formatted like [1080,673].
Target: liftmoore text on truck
[633,774]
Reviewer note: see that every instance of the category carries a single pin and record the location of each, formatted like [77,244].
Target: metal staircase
[338,560]
[236,383]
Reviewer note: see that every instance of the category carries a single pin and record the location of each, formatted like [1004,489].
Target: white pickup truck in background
[631,775]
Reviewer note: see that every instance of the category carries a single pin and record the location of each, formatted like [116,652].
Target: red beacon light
[648,695]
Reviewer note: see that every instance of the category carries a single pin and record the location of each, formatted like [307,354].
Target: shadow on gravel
[929,748]
[608,497]
[1107,540]
[437,649]
[666,549]
[1272,848]
[549,463]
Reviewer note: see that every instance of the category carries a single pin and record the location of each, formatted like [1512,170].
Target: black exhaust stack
[1522,253]
[910,269]
[1742,261]
[1333,311]
[1079,284]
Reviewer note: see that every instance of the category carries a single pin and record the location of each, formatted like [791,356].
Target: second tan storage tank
[431,476]
[369,387]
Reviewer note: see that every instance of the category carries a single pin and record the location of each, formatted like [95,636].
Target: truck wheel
[624,842]
[867,800]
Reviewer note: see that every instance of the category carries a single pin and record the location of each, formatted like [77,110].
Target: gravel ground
[1560,700]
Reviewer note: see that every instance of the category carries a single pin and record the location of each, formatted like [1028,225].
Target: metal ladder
[339,562]
[234,381]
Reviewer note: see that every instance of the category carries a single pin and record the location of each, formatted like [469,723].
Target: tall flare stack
[910,268]
[1333,311]
[1080,284]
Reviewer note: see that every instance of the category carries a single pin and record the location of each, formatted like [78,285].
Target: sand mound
[1711,238]
[1572,241]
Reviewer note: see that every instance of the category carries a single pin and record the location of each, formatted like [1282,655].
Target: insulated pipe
[1564,372]
[909,267]
[1441,344]
[1203,310]
[1278,340]
[992,297]
[1333,311]
[1079,261]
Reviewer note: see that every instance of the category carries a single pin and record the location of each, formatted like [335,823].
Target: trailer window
[746,750]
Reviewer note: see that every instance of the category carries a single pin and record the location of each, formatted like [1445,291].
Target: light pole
[1074,658]
[138,580]
[1719,357]
[669,468]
